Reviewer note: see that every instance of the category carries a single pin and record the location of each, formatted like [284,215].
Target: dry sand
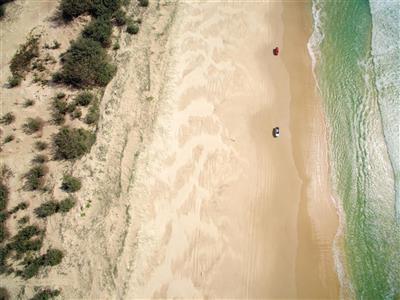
[190,195]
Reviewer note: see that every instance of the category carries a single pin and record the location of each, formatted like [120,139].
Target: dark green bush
[52,257]
[101,8]
[73,8]
[116,46]
[14,81]
[93,114]
[46,294]
[46,209]
[7,119]
[23,220]
[76,114]
[71,184]
[4,193]
[66,204]
[20,206]
[35,177]
[2,13]
[60,95]
[71,143]
[21,61]
[9,138]
[84,98]
[4,216]
[33,125]
[132,28]
[85,64]
[40,145]
[23,246]
[144,3]
[31,269]
[99,30]
[3,233]
[120,17]
[59,108]
[27,232]
[71,107]
[40,159]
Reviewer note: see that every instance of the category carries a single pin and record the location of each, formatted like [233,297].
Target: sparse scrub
[9,138]
[41,145]
[99,30]
[84,98]
[76,114]
[4,193]
[28,102]
[23,220]
[46,294]
[71,143]
[4,216]
[21,61]
[58,110]
[35,177]
[40,159]
[14,80]
[51,258]
[71,107]
[20,206]
[85,64]
[66,204]
[33,125]
[93,114]
[70,184]
[22,242]
[7,119]
[73,8]
[47,209]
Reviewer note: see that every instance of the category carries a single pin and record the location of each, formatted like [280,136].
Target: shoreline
[320,229]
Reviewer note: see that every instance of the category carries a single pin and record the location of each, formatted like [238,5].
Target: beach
[186,193]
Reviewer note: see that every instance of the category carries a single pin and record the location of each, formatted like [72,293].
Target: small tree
[52,257]
[71,143]
[73,8]
[71,184]
[99,30]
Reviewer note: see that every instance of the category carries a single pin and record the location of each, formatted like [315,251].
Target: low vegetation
[32,266]
[132,28]
[99,30]
[34,178]
[70,184]
[7,119]
[21,61]
[46,294]
[73,8]
[33,125]
[52,207]
[41,145]
[85,64]
[29,102]
[72,143]
[40,159]
[84,98]
[144,3]
[4,295]
[93,114]
[9,138]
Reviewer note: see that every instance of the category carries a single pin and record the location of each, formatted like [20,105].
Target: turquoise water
[355,48]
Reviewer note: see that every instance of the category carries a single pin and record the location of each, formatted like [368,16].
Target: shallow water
[355,50]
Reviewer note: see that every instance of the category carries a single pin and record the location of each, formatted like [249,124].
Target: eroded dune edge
[185,192]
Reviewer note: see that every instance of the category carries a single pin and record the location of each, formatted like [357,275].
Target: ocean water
[355,48]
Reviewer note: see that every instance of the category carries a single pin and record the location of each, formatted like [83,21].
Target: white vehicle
[275,132]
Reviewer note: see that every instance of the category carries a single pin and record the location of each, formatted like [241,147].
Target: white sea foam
[386,58]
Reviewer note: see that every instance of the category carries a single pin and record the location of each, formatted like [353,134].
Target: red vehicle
[275,51]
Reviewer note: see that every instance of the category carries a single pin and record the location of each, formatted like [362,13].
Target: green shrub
[2,14]
[23,220]
[59,108]
[60,95]
[85,64]
[28,102]
[35,177]
[3,233]
[120,17]
[27,232]
[70,184]
[132,28]
[46,294]
[40,159]
[7,119]
[9,138]
[4,216]
[46,209]
[14,80]
[33,125]
[102,8]
[31,269]
[144,3]
[93,114]
[52,257]
[4,193]
[116,46]
[73,8]
[20,206]
[71,143]
[40,145]
[66,204]
[21,61]
[71,107]
[99,30]
[84,98]
[23,246]
[76,114]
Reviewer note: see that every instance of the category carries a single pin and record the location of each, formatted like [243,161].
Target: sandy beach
[190,195]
